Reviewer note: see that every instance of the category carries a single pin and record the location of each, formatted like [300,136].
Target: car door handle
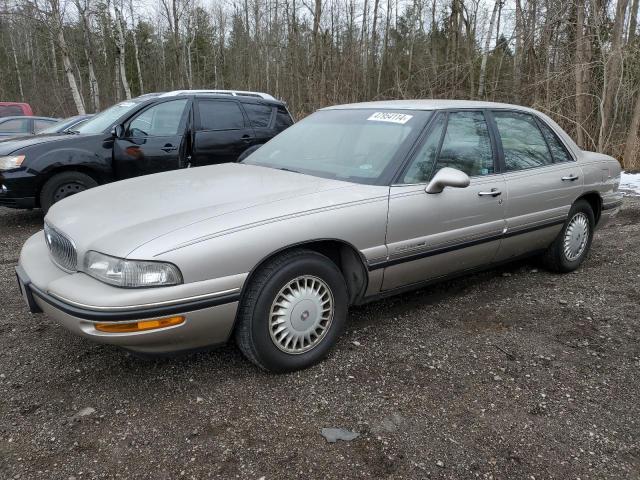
[494,192]
[246,138]
[570,178]
[168,148]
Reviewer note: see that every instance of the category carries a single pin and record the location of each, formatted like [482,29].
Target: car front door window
[466,146]
[160,120]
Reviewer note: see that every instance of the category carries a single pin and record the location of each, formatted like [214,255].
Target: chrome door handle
[570,178]
[493,193]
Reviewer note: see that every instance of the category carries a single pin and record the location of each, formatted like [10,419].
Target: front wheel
[571,246]
[63,185]
[292,312]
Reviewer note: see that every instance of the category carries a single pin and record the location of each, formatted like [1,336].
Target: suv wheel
[292,312]
[572,244]
[63,185]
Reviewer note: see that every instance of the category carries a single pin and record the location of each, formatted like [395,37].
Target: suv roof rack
[234,93]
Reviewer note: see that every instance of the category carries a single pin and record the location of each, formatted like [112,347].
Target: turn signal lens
[141,326]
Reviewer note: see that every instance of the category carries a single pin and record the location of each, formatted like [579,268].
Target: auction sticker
[391,117]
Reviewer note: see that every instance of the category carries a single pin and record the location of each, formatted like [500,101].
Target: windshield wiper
[288,170]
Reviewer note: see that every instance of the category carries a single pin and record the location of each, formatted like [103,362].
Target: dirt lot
[513,373]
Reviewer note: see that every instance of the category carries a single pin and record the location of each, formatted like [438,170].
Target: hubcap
[67,190]
[301,314]
[576,237]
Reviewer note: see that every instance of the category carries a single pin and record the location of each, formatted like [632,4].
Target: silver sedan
[353,203]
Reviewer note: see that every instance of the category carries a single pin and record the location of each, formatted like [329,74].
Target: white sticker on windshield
[392,117]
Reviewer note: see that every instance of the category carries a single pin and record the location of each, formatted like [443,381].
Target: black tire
[555,258]
[63,185]
[252,331]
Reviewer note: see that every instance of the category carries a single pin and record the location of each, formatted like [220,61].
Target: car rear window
[283,119]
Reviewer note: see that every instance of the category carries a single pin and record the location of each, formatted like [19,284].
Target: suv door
[542,181]
[222,132]
[153,141]
[432,235]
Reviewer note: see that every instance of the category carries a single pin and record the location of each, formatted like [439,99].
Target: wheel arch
[595,201]
[49,173]
[344,255]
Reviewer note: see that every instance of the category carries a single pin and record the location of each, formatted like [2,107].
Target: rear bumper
[609,210]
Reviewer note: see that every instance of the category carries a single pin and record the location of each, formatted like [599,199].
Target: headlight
[130,273]
[11,162]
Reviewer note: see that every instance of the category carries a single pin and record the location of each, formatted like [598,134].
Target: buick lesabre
[353,203]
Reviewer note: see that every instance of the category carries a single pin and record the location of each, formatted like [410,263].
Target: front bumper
[18,189]
[208,321]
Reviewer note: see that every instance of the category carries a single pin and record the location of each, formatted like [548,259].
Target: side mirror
[447,177]
[117,131]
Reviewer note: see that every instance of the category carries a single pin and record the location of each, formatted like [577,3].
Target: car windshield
[105,119]
[356,145]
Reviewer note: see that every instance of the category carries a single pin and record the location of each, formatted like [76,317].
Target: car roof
[427,104]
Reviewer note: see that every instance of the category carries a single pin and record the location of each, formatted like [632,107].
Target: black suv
[149,134]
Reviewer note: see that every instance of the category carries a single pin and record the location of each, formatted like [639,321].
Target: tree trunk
[633,21]
[135,49]
[94,89]
[17,66]
[612,76]
[68,69]
[120,45]
[582,73]
[485,54]
[631,158]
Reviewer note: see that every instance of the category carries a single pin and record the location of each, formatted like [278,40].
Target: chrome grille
[62,249]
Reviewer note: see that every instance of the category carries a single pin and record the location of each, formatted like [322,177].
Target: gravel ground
[512,373]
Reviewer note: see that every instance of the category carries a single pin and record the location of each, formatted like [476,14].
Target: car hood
[120,217]
[14,144]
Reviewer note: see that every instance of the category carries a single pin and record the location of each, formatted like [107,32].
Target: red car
[14,109]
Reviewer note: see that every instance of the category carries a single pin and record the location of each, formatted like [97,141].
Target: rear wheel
[292,312]
[63,185]
[571,246]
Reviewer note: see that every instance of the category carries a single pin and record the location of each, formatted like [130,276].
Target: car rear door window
[522,142]
[558,150]
[39,125]
[161,120]
[220,115]
[259,115]
[15,125]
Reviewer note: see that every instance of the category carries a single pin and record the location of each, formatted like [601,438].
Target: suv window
[220,115]
[283,119]
[558,150]
[15,125]
[259,115]
[522,142]
[159,120]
